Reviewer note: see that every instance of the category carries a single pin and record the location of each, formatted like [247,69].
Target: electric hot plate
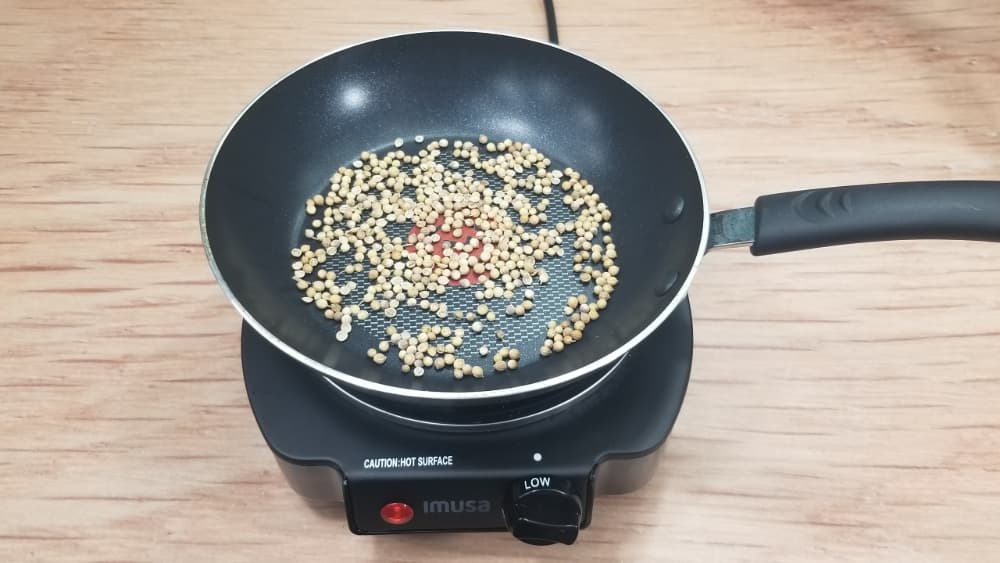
[531,467]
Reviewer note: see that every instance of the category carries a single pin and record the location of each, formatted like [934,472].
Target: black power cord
[550,21]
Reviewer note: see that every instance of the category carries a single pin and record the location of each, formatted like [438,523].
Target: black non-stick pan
[458,85]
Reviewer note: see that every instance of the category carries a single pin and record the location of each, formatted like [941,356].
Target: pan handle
[956,210]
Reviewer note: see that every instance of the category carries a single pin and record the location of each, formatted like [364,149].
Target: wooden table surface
[843,404]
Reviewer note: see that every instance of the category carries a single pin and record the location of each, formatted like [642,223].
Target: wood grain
[843,405]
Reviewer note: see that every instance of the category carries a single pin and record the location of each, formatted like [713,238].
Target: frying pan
[285,145]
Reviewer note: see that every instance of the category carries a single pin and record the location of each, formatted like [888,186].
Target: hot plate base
[330,448]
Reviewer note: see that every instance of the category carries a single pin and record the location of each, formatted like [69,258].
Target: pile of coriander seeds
[447,251]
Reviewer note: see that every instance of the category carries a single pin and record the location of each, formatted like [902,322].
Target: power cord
[550,21]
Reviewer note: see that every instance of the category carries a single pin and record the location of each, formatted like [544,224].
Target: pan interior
[454,85]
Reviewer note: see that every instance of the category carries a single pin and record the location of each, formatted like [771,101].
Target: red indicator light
[396,513]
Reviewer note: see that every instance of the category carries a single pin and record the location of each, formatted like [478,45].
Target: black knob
[544,510]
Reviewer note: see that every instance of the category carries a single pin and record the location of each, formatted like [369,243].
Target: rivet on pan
[668,284]
[674,209]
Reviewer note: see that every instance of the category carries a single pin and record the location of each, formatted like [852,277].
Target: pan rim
[458,395]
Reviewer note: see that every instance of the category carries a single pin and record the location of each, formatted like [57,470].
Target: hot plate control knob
[544,510]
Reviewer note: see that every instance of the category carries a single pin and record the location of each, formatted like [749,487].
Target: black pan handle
[958,210]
